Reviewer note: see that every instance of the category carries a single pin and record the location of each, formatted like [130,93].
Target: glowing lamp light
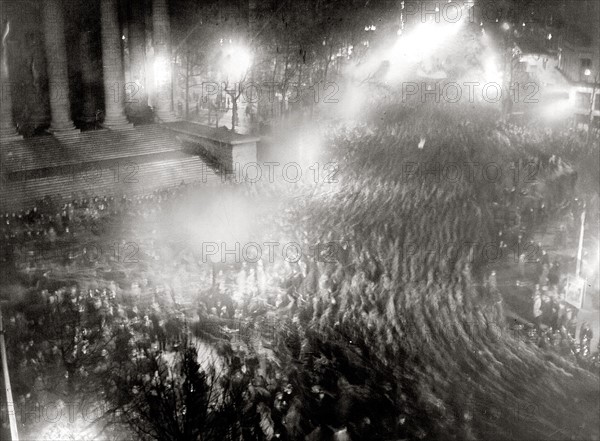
[409,49]
[559,109]
[161,70]
[587,72]
[491,71]
[353,103]
[309,146]
[549,37]
[67,431]
[422,41]
[505,26]
[237,61]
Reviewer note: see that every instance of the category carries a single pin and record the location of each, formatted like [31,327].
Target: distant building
[579,57]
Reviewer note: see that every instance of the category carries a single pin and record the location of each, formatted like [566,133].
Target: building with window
[579,58]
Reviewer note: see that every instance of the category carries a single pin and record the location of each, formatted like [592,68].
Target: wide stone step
[95,145]
[139,179]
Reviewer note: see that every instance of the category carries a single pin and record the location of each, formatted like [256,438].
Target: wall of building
[579,57]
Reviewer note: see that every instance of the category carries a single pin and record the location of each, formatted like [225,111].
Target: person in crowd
[571,323]
[585,338]
[554,274]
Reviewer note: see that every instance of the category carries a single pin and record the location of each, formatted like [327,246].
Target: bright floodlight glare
[559,109]
[492,73]
[418,44]
[161,70]
[237,61]
[353,101]
[62,430]
[214,224]
[309,146]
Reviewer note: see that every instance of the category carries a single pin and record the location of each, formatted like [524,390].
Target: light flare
[417,45]
[492,73]
[162,70]
[237,61]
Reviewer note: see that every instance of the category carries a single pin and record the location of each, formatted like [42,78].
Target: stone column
[58,78]
[161,35]
[88,77]
[8,131]
[137,54]
[40,113]
[112,67]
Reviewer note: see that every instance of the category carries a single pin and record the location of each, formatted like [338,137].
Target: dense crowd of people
[352,344]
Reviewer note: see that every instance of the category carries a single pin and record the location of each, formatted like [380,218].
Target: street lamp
[237,60]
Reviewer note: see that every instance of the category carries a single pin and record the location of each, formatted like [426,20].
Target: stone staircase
[101,162]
